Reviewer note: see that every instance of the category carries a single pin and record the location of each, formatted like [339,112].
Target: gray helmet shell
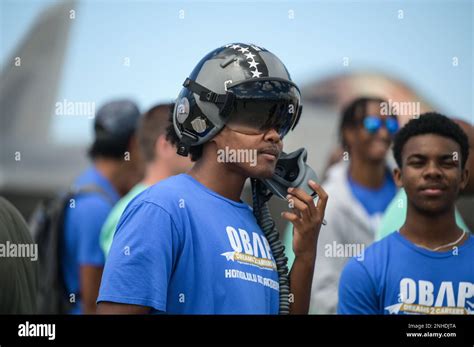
[196,120]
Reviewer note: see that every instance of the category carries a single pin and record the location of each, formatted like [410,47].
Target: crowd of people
[157,224]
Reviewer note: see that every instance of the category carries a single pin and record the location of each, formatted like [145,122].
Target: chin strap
[261,195]
[223,101]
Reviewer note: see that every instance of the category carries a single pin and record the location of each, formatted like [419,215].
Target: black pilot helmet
[239,84]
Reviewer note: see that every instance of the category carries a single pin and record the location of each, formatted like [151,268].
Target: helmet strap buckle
[223,101]
[209,96]
[183,149]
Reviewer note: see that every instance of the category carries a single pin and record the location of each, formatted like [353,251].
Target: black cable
[260,196]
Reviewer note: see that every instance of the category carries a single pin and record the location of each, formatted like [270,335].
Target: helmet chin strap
[223,101]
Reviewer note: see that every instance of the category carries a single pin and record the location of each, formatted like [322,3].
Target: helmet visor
[261,105]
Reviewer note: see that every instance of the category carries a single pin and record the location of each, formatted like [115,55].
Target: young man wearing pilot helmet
[189,245]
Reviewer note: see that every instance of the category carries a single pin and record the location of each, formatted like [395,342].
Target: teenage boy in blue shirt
[427,266]
[189,245]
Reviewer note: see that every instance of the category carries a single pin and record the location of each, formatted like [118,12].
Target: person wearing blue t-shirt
[189,245]
[361,187]
[116,167]
[427,266]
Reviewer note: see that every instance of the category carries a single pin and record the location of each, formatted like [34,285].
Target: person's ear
[219,139]
[464,178]
[349,136]
[163,147]
[132,144]
[133,149]
[397,177]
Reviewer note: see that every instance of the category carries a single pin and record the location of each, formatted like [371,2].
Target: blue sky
[163,48]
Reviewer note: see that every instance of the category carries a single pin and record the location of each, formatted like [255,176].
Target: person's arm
[306,218]
[19,276]
[90,281]
[91,214]
[140,262]
[105,307]
[301,278]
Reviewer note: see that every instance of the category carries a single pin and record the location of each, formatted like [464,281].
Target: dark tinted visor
[261,105]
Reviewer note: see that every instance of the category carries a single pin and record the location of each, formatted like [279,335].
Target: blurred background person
[161,161]
[18,274]
[361,187]
[465,201]
[116,168]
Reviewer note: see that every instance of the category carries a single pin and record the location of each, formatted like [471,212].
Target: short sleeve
[108,230]
[357,294]
[141,259]
[91,214]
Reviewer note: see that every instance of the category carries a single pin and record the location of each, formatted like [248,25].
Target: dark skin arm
[106,307]
[90,282]
[301,278]
[306,218]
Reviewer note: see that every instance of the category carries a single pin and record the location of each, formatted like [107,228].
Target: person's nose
[432,170]
[383,132]
[272,135]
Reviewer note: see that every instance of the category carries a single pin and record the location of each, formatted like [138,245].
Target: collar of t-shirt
[374,200]
[432,254]
[92,175]
[205,189]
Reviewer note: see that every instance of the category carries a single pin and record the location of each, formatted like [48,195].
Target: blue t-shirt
[375,201]
[84,218]
[397,277]
[181,248]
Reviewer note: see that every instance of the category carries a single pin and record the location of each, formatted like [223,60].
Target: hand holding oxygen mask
[296,182]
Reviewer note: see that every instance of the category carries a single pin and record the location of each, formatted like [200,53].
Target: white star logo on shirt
[235,46]
[243,50]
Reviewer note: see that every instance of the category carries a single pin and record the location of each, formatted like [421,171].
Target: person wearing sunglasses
[189,245]
[426,266]
[361,187]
